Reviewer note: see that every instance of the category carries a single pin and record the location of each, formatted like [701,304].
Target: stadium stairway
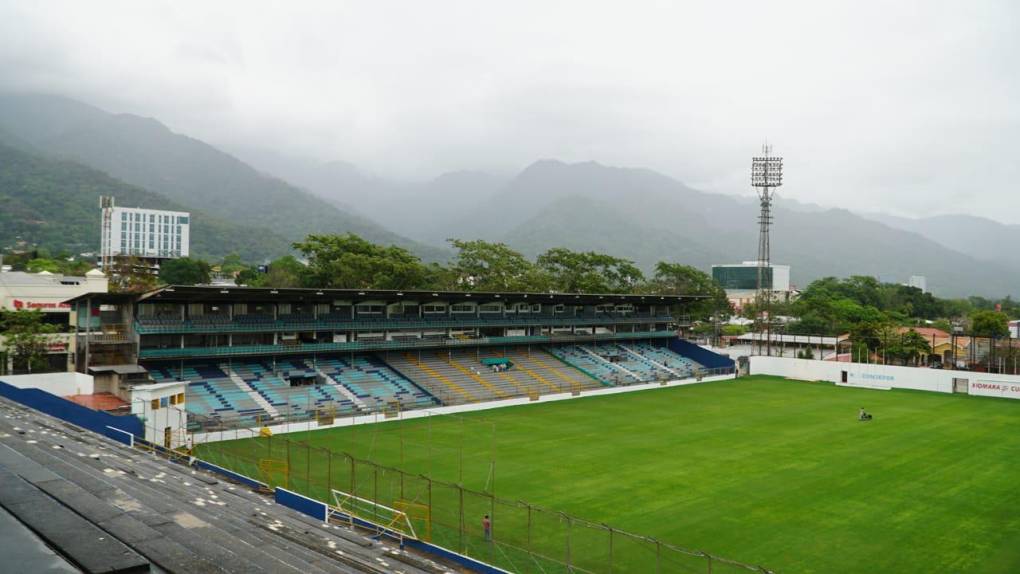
[374,383]
[592,364]
[431,375]
[683,366]
[259,399]
[556,371]
[180,519]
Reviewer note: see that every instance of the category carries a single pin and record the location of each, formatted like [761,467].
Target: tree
[484,266]
[350,262]
[232,264]
[679,279]
[129,275]
[589,272]
[48,265]
[285,272]
[989,324]
[184,271]
[27,336]
[913,345]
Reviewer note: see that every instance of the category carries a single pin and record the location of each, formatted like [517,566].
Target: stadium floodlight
[767,171]
[766,175]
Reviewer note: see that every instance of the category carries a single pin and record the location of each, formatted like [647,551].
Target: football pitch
[761,470]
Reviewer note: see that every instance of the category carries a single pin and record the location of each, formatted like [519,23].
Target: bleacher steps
[468,373]
[342,390]
[440,377]
[610,363]
[648,360]
[255,395]
[558,371]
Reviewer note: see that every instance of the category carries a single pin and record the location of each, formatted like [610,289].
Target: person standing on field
[487,528]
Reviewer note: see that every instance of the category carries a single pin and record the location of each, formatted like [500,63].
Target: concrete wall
[60,384]
[886,376]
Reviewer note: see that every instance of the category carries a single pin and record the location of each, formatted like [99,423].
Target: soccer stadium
[519,432]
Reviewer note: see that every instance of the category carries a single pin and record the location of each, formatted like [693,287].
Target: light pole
[766,176]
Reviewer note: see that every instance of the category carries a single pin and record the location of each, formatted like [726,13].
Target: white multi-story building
[145,233]
[919,281]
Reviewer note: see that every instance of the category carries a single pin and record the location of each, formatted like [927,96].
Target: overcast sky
[905,107]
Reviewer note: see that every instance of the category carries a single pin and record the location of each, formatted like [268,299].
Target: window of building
[370,309]
[490,307]
[155,404]
[433,308]
[462,308]
[182,219]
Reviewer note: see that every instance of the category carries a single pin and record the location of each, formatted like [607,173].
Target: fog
[903,107]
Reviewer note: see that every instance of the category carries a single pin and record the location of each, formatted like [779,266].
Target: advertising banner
[991,388]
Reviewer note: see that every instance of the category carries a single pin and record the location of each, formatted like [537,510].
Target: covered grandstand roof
[213,293]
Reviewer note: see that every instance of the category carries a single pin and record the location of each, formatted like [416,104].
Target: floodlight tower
[766,176]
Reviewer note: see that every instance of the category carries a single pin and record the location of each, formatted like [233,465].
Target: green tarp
[496,361]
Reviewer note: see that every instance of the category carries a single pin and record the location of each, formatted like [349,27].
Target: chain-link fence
[514,535]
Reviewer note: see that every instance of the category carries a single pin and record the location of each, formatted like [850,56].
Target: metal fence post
[529,526]
[460,489]
[569,528]
[354,483]
[610,549]
[429,484]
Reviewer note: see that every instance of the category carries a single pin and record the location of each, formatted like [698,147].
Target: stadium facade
[252,356]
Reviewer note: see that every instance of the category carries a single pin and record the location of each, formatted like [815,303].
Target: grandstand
[252,357]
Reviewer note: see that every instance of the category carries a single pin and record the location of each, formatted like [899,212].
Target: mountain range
[256,201]
[143,152]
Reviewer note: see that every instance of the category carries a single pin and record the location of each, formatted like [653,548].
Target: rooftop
[184,293]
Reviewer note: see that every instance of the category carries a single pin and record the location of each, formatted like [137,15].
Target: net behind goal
[352,508]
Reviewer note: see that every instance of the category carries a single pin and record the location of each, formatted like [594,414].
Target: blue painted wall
[707,358]
[64,409]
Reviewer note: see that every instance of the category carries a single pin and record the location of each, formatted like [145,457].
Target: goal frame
[398,524]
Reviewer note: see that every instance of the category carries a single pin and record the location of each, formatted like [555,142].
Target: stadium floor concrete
[155,515]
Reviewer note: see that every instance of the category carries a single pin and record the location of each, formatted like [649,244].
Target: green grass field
[761,470]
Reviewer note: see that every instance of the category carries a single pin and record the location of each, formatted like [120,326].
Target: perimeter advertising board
[992,388]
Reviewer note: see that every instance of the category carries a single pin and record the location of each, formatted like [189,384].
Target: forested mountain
[55,204]
[418,209]
[646,216]
[981,238]
[633,213]
[144,152]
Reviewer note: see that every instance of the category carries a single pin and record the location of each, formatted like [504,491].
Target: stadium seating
[260,389]
[673,361]
[550,371]
[452,381]
[460,377]
[375,384]
[580,358]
